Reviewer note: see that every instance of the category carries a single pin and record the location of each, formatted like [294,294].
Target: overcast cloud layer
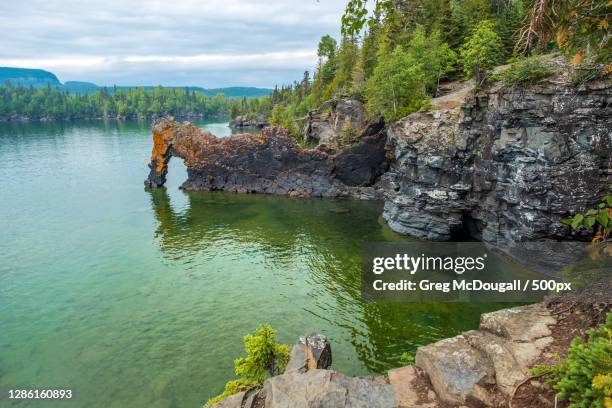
[210,43]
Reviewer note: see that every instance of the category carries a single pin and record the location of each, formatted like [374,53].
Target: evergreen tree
[482,51]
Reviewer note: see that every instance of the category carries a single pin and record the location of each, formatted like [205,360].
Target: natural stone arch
[271,162]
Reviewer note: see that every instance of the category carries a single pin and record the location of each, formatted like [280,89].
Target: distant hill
[27,77]
[40,78]
[80,87]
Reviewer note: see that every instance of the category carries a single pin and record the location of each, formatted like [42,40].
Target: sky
[209,43]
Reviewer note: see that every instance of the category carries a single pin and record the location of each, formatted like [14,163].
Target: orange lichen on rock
[162,138]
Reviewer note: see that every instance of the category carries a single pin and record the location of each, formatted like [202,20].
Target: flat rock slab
[455,368]
[519,324]
[326,389]
[401,380]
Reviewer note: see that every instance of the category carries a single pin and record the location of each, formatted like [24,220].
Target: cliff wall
[501,165]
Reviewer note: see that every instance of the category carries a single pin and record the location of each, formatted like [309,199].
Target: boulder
[455,369]
[525,329]
[508,369]
[363,163]
[311,352]
[329,127]
[402,383]
[519,324]
[245,122]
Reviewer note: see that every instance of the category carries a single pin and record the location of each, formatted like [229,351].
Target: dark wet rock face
[271,162]
[503,166]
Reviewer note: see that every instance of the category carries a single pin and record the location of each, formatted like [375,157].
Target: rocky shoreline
[503,166]
[485,367]
[498,165]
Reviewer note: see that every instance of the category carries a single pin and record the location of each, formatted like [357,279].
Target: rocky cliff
[271,162]
[500,165]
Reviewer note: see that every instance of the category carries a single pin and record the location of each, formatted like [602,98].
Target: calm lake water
[140,299]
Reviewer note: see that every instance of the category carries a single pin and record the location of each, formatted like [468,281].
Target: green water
[140,299]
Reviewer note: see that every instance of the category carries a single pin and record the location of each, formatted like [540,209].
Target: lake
[135,298]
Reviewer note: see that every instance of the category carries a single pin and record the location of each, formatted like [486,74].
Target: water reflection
[320,241]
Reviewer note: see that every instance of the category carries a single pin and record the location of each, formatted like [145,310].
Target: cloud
[183,42]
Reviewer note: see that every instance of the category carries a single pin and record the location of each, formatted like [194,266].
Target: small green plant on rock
[348,133]
[407,359]
[584,378]
[264,358]
[525,71]
[599,218]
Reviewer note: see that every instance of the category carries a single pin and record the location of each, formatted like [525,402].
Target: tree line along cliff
[398,54]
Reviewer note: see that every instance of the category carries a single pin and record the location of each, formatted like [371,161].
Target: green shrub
[584,378]
[599,218]
[589,70]
[525,71]
[407,359]
[264,358]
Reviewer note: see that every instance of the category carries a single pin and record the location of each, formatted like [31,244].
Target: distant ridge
[28,77]
[39,78]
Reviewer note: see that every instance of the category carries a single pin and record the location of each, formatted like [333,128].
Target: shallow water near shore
[135,298]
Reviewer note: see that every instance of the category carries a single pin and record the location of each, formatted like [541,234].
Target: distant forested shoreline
[24,104]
